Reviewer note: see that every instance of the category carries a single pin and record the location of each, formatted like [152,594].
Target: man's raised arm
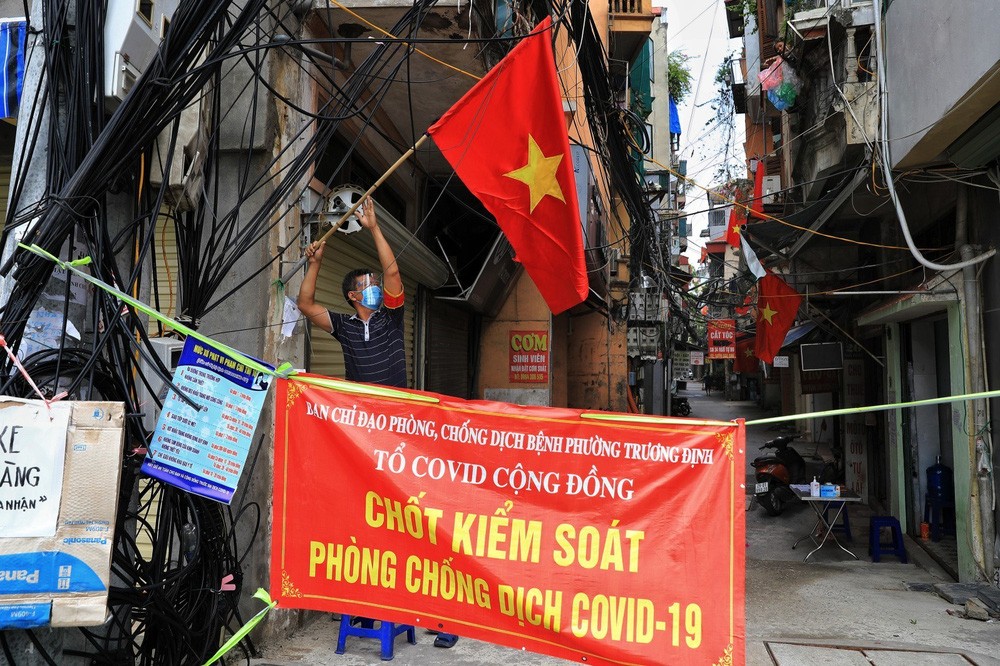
[306,302]
[392,282]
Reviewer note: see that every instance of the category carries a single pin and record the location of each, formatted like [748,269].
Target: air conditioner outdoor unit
[771,188]
[168,350]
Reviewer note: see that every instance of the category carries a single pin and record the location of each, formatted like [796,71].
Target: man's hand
[315,252]
[366,214]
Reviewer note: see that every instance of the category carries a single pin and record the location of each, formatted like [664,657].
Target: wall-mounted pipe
[980,446]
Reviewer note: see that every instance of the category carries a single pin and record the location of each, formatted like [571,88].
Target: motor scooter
[774,473]
[679,406]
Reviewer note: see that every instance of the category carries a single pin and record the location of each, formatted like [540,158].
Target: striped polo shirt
[373,350]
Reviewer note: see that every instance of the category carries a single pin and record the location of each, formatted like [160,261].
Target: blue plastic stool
[845,524]
[875,540]
[386,633]
[934,515]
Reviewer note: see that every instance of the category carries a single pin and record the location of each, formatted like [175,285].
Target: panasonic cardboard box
[59,473]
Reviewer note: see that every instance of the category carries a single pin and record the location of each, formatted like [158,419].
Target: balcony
[634,15]
[737,86]
[814,15]
[734,18]
[629,23]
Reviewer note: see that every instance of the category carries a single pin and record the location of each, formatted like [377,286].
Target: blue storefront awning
[796,333]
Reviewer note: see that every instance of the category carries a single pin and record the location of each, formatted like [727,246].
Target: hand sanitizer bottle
[814,488]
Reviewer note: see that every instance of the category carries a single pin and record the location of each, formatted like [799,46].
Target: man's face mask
[371,292]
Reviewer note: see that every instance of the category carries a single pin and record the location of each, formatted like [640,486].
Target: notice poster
[32,453]
[44,330]
[682,364]
[722,338]
[57,574]
[697,358]
[202,450]
[601,541]
[529,357]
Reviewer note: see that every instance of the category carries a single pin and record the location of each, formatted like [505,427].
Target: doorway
[928,439]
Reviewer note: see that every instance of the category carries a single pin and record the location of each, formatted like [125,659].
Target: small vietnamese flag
[737,218]
[777,307]
[749,301]
[507,141]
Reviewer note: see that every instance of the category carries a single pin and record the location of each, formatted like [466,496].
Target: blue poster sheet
[203,450]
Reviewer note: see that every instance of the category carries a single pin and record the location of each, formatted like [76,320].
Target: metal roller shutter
[167,272]
[342,254]
[448,350]
[165,300]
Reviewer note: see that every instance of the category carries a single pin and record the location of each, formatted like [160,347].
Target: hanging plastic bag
[787,92]
[772,77]
[784,94]
[776,101]
[789,77]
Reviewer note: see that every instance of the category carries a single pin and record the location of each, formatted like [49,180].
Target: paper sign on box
[59,577]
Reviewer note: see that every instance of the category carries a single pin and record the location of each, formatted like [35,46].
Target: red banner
[721,338]
[604,538]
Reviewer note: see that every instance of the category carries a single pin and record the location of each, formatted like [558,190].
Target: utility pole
[31,172]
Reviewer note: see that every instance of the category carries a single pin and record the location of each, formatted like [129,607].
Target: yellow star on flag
[748,352]
[767,313]
[539,174]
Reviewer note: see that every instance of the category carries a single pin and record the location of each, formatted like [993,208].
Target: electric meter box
[168,350]
[132,34]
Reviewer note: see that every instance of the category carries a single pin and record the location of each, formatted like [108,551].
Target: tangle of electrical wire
[165,601]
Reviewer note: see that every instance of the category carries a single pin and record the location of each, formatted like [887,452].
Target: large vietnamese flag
[777,306]
[506,139]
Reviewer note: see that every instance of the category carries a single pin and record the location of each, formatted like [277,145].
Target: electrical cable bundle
[610,127]
[234,232]
[166,606]
[165,600]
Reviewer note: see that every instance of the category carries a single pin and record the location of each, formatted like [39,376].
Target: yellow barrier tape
[246,628]
[878,408]
[284,370]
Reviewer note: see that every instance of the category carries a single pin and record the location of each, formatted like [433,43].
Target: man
[372,338]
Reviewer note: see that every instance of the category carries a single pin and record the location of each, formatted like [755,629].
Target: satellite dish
[340,202]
